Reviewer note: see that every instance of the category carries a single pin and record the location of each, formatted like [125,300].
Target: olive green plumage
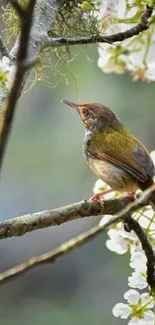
[112,152]
[114,156]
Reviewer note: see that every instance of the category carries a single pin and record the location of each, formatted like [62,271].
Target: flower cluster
[121,241]
[7,73]
[138,308]
[138,277]
[134,55]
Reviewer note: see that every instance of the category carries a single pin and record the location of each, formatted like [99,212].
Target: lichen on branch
[70,21]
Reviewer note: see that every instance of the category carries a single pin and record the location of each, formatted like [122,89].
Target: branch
[146,245]
[27,46]
[44,18]
[119,37]
[30,222]
[80,240]
[26,17]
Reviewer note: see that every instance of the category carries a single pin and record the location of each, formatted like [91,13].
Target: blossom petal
[132,296]
[117,248]
[120,240]
[121,310]
[138,262]
[145,298]
[134,321]
[101,186]
[131,55]
[4,65]
[136,280]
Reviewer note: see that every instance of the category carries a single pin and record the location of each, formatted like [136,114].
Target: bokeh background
[44,168]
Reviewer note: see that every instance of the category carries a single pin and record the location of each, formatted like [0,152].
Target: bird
[112,152]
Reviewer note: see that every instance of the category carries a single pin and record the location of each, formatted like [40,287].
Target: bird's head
[94,116]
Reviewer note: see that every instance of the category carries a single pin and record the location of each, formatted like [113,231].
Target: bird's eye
[85,112]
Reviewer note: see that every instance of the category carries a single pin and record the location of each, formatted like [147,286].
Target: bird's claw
[97,197]
[133,195]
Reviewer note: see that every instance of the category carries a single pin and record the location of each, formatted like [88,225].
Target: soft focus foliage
[134,55]
[91,18]
[77,18]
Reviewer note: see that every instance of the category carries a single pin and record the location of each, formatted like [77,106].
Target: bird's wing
[145,159]
[132,157]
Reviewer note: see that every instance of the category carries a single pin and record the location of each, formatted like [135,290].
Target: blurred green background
[44,168]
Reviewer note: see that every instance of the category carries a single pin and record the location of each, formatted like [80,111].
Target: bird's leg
[96,197]
[133,195]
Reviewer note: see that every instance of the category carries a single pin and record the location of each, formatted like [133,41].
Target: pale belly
[116,178]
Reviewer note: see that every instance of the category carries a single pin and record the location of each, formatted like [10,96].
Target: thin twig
[54,217]
[147,247]
[80,240]
[26,23]
[118,37]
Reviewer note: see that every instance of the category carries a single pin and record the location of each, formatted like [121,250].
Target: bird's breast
[115,177]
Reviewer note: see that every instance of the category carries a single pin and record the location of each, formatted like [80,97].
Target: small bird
[112,152]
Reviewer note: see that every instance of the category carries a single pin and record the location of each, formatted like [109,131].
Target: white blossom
[145,298]
[108,9]
[135,55]
[150,71]
[132,296]
[101,186]
[138,262]
[137,280]
[121,310]
[109,64]
[120,240]
[4,63]
[146,217]
[7,72]
[148,319]
[138,308]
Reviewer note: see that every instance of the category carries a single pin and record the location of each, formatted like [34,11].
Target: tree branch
[30,222]
[147,247]
[44,18]
[118,37]
[26,17]
[80,240]
[27,46]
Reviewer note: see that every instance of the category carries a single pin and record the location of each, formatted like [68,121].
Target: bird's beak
[75,106]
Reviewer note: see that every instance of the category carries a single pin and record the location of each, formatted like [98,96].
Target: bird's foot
[97,196]
[133,195]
